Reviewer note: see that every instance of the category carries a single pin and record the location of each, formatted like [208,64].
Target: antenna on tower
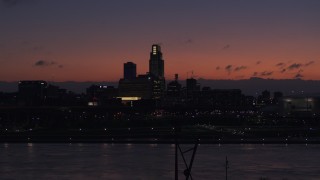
[192,76]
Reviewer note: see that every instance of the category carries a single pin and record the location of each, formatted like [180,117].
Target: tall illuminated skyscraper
[156,63]
[146,86]
[156,70]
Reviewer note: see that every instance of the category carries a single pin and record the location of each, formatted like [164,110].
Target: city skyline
[90,41]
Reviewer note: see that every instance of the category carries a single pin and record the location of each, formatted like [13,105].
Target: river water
[156,161]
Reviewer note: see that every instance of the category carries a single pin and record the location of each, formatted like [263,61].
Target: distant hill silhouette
[257,85]
[251,86]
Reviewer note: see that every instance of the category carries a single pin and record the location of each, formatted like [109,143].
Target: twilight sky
[89,40]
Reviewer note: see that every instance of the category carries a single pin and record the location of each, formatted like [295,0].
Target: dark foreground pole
[227,166]
[176,155]
[192,158]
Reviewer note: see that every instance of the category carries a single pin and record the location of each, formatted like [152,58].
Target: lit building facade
[300,105]
[156,71]
[139,88]
[156,63]
[146,86]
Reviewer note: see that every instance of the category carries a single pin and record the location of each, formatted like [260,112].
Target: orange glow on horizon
[101,65]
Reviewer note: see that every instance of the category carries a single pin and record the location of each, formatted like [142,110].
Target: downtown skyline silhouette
[150,89]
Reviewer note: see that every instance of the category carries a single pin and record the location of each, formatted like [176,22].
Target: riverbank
[150,140]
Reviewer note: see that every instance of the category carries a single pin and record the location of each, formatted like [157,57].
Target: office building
[156,63]
[300,106]
[174,88]
[192,87]
[129,70]
[101,94]
[32,92]
[156,70]
[136,89]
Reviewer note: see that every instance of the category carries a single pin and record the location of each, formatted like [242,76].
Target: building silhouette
[193,88]
[276,97]
[174,87]
[32,92]
[264,98]
[156,63]
[156,70]
[146,86]
[136,89]
[101,94]
[129,70]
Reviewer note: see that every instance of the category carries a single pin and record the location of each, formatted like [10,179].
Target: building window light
[154,50]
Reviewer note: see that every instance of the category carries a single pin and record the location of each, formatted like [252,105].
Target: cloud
[258,62]
[218,68]
[239,68]
[294,66]
[44,63]
[280,64]
[228,68]
[266,73]
[189,41]
[298,76]
[262,74]
[309,63]
[226,47]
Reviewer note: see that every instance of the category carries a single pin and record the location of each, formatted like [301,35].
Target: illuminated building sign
[154,50]
[130,98]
